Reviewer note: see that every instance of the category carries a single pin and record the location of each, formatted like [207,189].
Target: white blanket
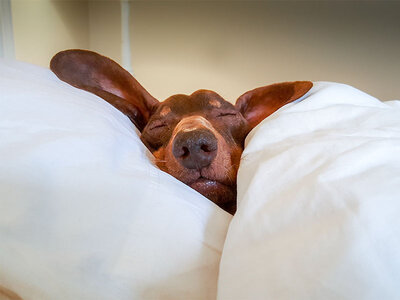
[84,214]
[319,202]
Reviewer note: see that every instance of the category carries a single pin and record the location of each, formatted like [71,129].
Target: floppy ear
[257,104]
[102,76]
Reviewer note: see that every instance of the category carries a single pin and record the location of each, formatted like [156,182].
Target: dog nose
[195,149]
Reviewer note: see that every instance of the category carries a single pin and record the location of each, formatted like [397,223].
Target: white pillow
[84,212]
[319,202]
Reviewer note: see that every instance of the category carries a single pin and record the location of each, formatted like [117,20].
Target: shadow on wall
[102,27]
[75,25]
[231,47]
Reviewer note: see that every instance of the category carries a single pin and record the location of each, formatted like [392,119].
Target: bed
[85,214]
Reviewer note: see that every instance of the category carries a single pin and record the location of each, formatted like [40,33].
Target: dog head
[197,138]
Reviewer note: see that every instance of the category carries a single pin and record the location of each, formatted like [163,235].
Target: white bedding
[84,214]
[319,202]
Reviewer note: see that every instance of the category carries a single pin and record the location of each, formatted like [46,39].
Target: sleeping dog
[197,138]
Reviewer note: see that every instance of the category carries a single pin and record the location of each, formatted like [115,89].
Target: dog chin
[217,192]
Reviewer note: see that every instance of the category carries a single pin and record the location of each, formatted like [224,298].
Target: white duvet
[319,202]
[84,214]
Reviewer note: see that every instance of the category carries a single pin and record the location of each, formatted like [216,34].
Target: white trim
[6,31]
[125,35]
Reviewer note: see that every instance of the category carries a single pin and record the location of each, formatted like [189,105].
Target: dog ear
[102,76]
[257,104]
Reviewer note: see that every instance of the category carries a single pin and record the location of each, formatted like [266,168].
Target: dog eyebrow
[215,103]
[165,111]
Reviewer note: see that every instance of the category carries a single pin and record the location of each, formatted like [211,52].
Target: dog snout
[195,149]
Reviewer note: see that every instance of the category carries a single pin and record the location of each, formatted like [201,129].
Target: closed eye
[226,114]
[157,126]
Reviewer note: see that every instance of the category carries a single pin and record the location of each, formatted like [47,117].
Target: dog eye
[158,126]
[226,114]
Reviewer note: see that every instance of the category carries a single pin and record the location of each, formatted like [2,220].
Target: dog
[197,138]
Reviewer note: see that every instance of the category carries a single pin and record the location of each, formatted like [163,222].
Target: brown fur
[207,111]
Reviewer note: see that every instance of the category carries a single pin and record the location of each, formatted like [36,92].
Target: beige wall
[44,27]
[105,28]
[230,47]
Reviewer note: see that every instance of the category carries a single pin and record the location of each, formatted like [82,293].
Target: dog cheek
[236,153]
[170,161]
[165,160]
[234,160]
[222,168]
[159,156]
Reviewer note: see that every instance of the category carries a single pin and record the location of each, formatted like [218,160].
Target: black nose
[195,149]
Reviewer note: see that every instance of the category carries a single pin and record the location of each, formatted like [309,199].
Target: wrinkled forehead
[200,101]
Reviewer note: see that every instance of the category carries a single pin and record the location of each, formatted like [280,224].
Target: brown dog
[196,138]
